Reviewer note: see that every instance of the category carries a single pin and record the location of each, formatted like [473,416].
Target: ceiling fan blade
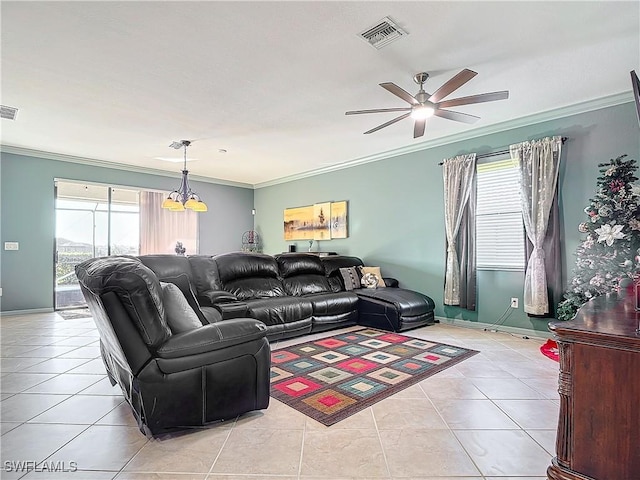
[378,110]
[483,97]
[452,84]
[399,92]
[390,122]
[418,127]
[457,116]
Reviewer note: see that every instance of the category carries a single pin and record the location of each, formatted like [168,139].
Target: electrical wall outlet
[514,302]
[11,246]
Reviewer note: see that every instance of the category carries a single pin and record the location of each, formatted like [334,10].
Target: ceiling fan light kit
[422,112]
[184,198]
[424,105]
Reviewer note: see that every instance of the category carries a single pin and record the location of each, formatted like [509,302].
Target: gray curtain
[458,175]
[538,162]
[552,259]
[466,249]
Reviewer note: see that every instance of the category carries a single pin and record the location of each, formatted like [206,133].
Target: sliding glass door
[91,221]
[98,220]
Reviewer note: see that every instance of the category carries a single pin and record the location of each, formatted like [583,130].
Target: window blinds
[499,226]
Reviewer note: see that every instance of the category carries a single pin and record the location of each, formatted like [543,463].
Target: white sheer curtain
[538,162]
[161,229]
[458,174]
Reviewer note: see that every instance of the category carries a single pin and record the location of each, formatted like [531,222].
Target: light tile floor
[490,417]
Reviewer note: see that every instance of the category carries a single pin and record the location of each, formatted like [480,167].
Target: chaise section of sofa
[388,308]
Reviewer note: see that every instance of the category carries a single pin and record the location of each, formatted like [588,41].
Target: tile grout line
[304,431]
[384,453]
[235,423]
[453,432]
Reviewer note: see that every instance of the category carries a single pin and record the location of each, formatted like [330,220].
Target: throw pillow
[182,282]
[351,278]
[180,316]
[376,272]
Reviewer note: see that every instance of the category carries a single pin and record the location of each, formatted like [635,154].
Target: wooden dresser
[599,425]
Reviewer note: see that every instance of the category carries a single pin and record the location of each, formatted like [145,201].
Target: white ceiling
[270,81]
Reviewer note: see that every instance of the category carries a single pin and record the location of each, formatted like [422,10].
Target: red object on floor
[550,349]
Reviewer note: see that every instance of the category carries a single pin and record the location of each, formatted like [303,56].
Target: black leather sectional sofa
[219,367]
[292,294]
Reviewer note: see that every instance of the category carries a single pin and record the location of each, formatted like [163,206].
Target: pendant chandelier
[184,197]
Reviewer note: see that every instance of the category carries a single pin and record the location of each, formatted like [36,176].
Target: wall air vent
[8,113]
[383,33]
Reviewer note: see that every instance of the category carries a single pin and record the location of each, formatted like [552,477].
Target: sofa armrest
[212,297]
[230,310]
[391,282]
[215,336]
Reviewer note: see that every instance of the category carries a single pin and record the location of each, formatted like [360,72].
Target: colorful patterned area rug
[332,378]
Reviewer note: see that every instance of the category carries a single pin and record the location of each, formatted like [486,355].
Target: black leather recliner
[254,279]
[303,276]
[216,371]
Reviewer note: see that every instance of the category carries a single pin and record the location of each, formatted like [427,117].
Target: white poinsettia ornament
[609,234]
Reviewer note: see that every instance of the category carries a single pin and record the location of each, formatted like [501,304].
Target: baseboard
[523,332]
[26,312]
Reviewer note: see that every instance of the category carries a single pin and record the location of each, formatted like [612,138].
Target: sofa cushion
[237,265]
[280,311]
[167,265]
[291,264]
[177,270]
[248,288]
[351,278]
[302,274]
[333,303]
[408,302]
[333,264]
[306,285]
[374,271]
[249,275]
[204,271]
[179,314]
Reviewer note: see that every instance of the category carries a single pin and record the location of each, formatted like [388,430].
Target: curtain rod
[499,152]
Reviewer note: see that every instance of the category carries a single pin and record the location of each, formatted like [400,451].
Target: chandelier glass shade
[184,198]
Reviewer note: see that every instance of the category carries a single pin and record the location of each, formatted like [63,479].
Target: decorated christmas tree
[610,251]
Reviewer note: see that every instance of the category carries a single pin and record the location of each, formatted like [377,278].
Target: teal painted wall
[396,204]
[27,217]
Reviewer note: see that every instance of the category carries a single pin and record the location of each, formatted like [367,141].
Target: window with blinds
[499,227]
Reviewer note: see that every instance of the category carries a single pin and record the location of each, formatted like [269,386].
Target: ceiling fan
[424,105]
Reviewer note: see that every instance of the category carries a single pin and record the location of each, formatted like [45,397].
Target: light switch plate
[11,246]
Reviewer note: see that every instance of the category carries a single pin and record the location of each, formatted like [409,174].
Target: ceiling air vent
[383,33]
[8,112]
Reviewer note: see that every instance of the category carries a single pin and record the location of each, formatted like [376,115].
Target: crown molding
[118,166]
[566,111]
[553,114]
